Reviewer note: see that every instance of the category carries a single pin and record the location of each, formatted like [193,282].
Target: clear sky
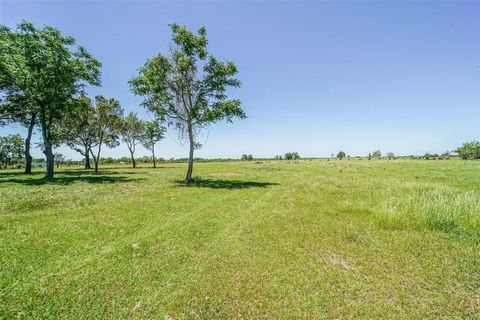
[318,77]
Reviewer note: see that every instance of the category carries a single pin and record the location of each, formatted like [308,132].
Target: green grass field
[350,239]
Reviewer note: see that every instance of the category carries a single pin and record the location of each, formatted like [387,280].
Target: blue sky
[318,77]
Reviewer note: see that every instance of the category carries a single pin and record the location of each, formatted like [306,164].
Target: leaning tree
[46,71]
[153,132]
[188,87]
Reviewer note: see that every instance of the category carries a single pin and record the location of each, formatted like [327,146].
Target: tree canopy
[132,130]
[41,72]
[469,150]
[80,131]
[377,154]
[247,157]
[291,156]
[153,133]
[107,120]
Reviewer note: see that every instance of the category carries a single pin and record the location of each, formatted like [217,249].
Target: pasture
[349,239]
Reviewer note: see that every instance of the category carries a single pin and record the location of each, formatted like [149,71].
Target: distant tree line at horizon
[18,161]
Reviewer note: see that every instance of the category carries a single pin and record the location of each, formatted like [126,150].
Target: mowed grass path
[346,239]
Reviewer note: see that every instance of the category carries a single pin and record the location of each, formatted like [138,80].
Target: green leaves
[45,68]
[227,109]
[292,156]
[469,150]
[152,133]
[79,131]
[183,91]
[377,154]
[42,72]
[189,44]
[108,120]
[10,147]
[132,130]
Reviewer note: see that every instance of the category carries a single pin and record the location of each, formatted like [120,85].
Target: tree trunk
[188,178]
[133,160]
[95,160]
[48,152]
[87,159]
[50,159]
[153,157]
[28,156]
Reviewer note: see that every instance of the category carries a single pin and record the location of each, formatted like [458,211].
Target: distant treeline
[468,151]
[40,162]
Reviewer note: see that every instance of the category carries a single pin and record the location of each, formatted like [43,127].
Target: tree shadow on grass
[224,184]
[12,173]
[92,172]
[66,180]
[73,172]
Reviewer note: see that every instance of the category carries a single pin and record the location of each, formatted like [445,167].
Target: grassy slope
[336,239]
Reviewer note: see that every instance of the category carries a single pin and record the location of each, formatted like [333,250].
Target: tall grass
[433,205]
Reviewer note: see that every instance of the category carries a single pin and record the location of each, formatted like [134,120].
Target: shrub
[469,150]
[292,156]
